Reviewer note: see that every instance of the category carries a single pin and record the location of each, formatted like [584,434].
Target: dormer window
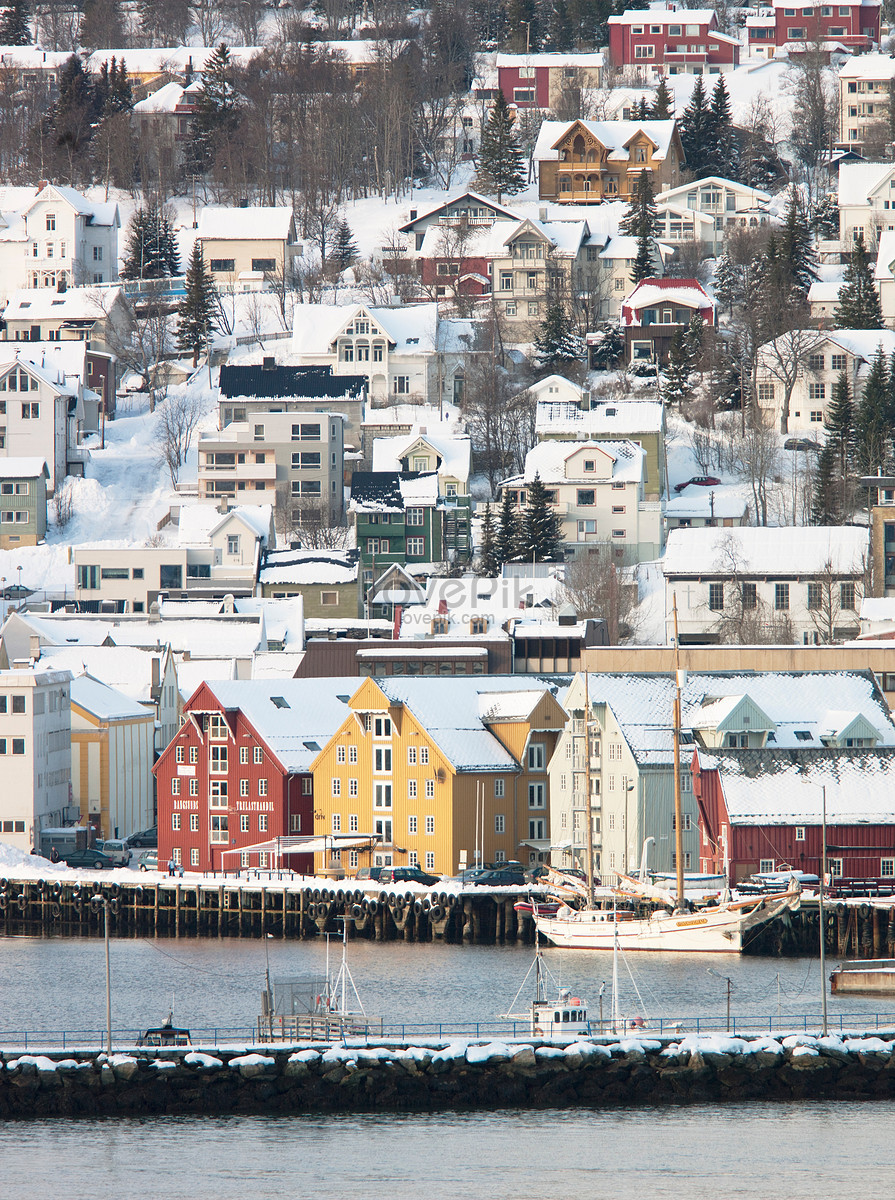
[737,741]
[439,625]
[478,625]
[803,735]
[590,464]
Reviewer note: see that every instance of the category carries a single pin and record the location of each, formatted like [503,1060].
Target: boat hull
[720,933]
[866,978]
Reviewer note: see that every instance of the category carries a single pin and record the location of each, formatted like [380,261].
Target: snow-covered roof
[422,490]
[23,468]
[244,224]
[621,418]
[78,304]
[449,708]
[864,343]
[824,291]
[104,702]
[455,452]
[309,567]
[613,135]
[548,459]
[877,608]
[203,637]
[412,329]
[423,418]
[165,100]
[199,522]
[33,58]
[500,210]
[123,667]
[869,66]
[148,59]
[779,551]
[501,602]
[788,788]
[721,503]
[47,370]
[716,181]
[668,291]
[885,257]
[858,180]
[663,16]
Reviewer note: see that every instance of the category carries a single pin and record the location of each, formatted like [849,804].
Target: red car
[700,481]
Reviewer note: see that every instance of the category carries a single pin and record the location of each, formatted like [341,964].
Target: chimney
[268,363]
[229,605]
[542,214]
[154,616]
[156,675]
[224,506]
[413,213]
[34,646]
[41,185]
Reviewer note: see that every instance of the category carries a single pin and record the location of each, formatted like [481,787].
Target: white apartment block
[35,753]
[864,97]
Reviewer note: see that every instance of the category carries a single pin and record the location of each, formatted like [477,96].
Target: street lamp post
[96,901]
[726,979]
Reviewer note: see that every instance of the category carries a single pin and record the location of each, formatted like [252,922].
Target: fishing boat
[563,1018]
[864,976]
[719,928]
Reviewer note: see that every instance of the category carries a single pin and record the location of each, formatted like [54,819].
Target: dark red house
[237,776]
[762,810]
[671,41]
[656,309]
[793,27]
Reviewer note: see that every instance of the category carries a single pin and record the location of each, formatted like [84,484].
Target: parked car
[493,877]
[540,871]
[88,858]
[148,860]
[368,873]
[698,481]
[800,444]
[146,837]
[118,850]
[407,875]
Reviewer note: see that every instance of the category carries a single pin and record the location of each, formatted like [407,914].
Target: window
[340,754]
[353,824]
[839,362]
[416,547]
[766,393]
[30,412]
[766,865]
[536,756]
[194,856]
[243,787]
[536,829]
[505,281]
[262,787]
[411,789]
[218,827]
[815,362]
[175,820]
[587,497]
[194,787]
[243,754]
[176,855]
[686,823]
[430,825]
[258,755]
[644,51]
[352,754]
[887,866]
[847,596]
[382,760]
[800,833]
[336,787]
[413,516]
[217,760]
[817,391]
[411,756]
[264,264]
[411,825]
[499,789]
[233,544]
[217,797]
[716,597]
[430,789]
[222,264]
[537,795]
[424,756]
[336,823]
[244,823]
[834,866]
[352,787]
[781,597]
[750,596]
[382,795]
[178,754]
[401,385]
[194,822]
[815,596]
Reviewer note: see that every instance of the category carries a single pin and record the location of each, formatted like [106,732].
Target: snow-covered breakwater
[461,1074]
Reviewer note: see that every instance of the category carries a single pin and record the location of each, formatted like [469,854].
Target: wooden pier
[228,907]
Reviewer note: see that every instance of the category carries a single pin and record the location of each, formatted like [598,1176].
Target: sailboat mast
[587,813]
[678,813]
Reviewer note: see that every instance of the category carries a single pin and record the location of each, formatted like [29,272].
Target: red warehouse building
[669,41]
[761,810]
[237,773]
[789,27]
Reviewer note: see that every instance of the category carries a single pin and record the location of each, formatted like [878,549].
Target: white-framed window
[218,831]
[262,787]
[499,789]
[416,547]
[353,825]
[175,786]
[258,755]
[352,754]
[175,820]
[243,754]
[687,857]
[430,789]
[537,795]
[243,787]
[424,756]
[537,829]
[766,865]
[382,760]
[430,860]
[382,795]
[194,857]
[336,823]
[217,793]
[244,859]
[834,866]
[217,760]
[176,853]
[340,754]
[430,825]
[537,757]
[352,787]
[686,822]
[800,833]
[887,866]
[194,753]
[411,756]
[243,822]
[352,858]
[411,789]
[500,823]
[178,754]
[412,825]
[336,789]
[194,822]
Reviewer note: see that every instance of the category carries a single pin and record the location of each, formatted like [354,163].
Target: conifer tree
[839,422]
[872,426]
[726,282]
[15,29]
[344,251]
[640,217]
[541,533]
[859,306]
[724,147]
[825,509]
[644,264]
[506,542]
[797,246]
[608,351]
[196,312]
[217,107]
[676,388]
[102,24]
[557,344]
[663,102]
[500,170]
[489,562]
[643,109]
[697,133]
[151,250]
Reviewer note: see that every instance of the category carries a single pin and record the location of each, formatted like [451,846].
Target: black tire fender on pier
[436,913]
[372,907]
[22,900]
[357,912]
[4,901]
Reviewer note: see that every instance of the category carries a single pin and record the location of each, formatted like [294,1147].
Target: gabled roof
[548,459]
[859,181]
[720,181]
[126,668]
[74,304]
[727,713]
[282,382]
[310,567]
[615,136]
[23,468]
[454,452]
[664,16]
[100,213]
[410,329]
[620,418]
[499,210]
[104,702]
[376,491]
[688,292]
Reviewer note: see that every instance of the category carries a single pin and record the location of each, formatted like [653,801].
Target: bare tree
[598,587]
[63,504]
[314,526]
[786,359]
[753,453]
[209,19]
[144,338]
[178,417]
[834,599]
[744,618]
[398,265]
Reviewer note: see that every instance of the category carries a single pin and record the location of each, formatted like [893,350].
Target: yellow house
[587,162]
[111,758]
[443,771]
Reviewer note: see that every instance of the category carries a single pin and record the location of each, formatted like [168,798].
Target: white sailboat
[721,928]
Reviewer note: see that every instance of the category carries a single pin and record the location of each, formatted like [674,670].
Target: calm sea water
[699,1153]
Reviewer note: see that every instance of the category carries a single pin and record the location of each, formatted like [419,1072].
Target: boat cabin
[566,1017]
[165,1035]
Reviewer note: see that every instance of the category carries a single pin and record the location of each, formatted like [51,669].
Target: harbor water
[753,1149]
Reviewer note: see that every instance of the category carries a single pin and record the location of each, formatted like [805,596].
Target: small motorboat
[167,1034]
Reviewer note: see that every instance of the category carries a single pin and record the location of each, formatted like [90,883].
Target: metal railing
[35,1040]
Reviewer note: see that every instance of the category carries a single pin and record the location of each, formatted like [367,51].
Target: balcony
[266,471]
